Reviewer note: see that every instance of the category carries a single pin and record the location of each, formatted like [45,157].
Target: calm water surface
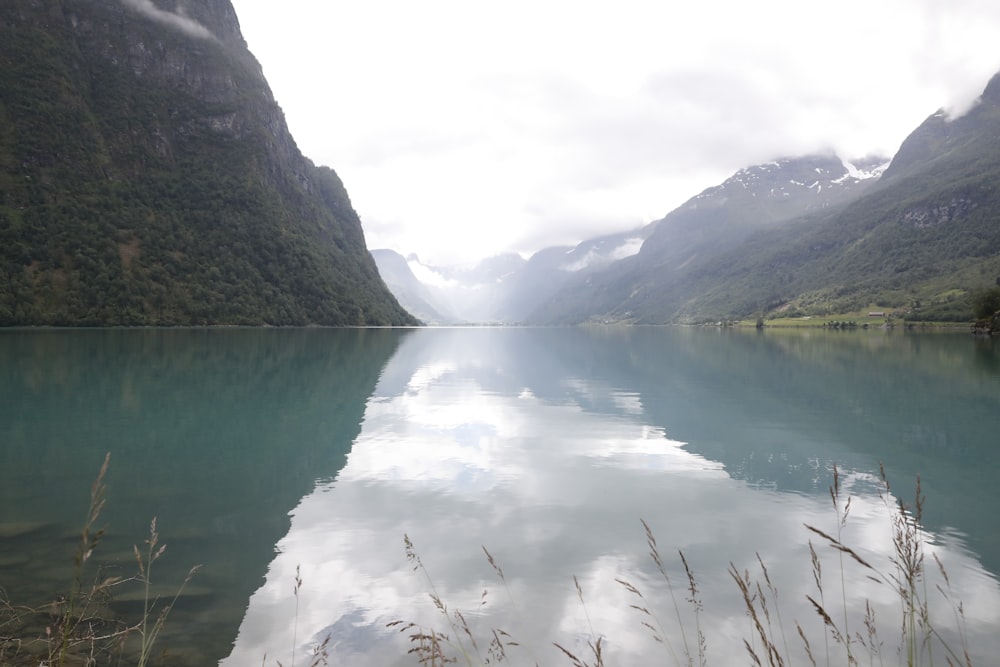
[266,451]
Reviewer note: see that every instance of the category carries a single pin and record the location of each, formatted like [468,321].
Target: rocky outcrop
[939,214]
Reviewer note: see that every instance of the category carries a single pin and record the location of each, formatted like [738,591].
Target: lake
[268,455]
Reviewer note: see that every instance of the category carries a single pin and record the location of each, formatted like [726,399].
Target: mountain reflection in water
[547,446]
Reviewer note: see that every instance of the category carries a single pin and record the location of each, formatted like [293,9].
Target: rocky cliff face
[147,176]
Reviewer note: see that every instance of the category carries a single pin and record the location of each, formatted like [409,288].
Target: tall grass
[456,640]
[849,637]
[650,620]
[80,627]
[321,651]
[149,632]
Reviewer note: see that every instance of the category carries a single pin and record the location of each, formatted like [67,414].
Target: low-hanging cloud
[178,21]
[598,122]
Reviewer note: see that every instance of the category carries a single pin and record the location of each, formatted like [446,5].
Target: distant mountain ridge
[415,296]
[915,236]
[755,198]
[916,241]
[717,219]
[148,177]
[503,289]
[796,185]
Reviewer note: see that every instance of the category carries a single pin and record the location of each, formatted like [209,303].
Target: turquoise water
[264,451]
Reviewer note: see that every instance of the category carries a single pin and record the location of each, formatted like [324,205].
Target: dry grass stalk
[695,602]
[74,613]
[907,578]
[767,643]
[501,639]
[433,647]
[654,555]
[596,648]
[321,651]
[756,606]
[773,591]
[647,611]
[594,643]
[80,627]
[295,625]
[148,633]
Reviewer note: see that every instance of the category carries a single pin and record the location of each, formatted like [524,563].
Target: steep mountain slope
[654,284]
[147,177]
[418,298]
[758,197]
[918,240]
[921,241]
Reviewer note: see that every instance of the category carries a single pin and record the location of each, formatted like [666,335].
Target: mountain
[963,147]
[652,284]
[758,197]
[550,269]
[419,298]
[461,294]
[504,289]
[571,283]
[148,177]
[491,270]
[774,239]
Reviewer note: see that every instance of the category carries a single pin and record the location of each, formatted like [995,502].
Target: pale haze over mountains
[507,288]
[915,237]
[464,130]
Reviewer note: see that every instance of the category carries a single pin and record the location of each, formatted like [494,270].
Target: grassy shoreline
[854,320]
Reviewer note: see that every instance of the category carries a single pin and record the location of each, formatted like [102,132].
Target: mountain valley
[917,236]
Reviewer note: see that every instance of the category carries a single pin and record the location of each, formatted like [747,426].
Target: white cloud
[463,129]
[627,249]
[427,275]
[178,21]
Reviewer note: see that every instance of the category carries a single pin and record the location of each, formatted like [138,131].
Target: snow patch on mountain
[863,173]
[582,263]
[627,249]
[594,256]
[427,275]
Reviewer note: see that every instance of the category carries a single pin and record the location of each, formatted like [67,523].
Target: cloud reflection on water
[457,451]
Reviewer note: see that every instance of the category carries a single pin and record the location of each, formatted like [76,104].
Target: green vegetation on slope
[147,178]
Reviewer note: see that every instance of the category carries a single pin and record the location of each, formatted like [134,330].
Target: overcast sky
[463,129]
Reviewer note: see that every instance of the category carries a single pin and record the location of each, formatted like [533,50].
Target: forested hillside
[147,177]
